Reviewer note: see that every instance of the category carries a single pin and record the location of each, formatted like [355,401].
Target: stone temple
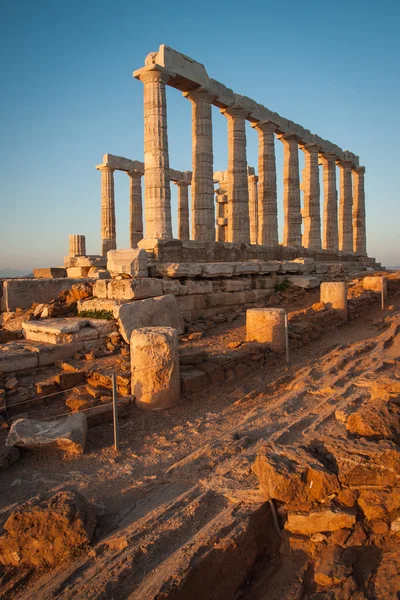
[236,206]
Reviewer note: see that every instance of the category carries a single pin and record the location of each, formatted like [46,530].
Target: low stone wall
[22,293]
[194,251]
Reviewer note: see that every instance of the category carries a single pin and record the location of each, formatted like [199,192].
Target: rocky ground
[183,509]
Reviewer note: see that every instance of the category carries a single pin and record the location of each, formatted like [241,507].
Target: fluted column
[238,191]
[108,226]
[222,204]
[77,245]
[183,210]
[330,220]
[253,205]
[157,198]
[267,195]
[291,191]
[345,207]
[203,206]
[135,205]
[311,211]
[359,225]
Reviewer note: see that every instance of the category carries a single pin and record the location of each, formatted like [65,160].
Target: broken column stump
[266,325]
[155,367]
[334,293]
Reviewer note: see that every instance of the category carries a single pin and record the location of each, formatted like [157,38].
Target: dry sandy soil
[179,469]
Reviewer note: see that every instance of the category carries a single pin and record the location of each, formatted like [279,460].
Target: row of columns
[247,211]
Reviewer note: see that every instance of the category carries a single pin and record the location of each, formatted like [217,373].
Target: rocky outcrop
[47,531]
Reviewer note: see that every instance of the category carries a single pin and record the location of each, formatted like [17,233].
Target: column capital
[199,94]
[311,148]
[253,177]
[105,168]
[153,73]
[265,126]
[135,174]
[235,112]
[289,137]
[360,170]
[345,164]
[181,183]
[328,157]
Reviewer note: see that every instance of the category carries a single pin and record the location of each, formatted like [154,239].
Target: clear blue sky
[68,96]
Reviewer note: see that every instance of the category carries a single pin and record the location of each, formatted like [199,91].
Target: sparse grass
[281,287]
[97,314]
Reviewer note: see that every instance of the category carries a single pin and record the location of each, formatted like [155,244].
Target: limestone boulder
[329,569]
[130,261]
[304,281]
[319,521]
[151,312]
[368,422]
[67,434]
[361,462]
[293,476]
[45,531]
[155,379]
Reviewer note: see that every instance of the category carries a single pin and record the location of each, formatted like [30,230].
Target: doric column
[183,210]
[135,205]
[253,205]
[77,245]
[311,211]
[330,220]
[222,204]
[359,230]
[267,196]
[157,197]
[291,191]
[238,191]
[203,207]
[345,207]
[108,231]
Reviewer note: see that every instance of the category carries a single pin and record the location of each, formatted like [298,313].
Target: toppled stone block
[155,367]
[78,271]
[59,331]
[319,521]
[134,289]
[17,357]
[8,456]
[44,531]
[67,434]
[304,281]
[130,261]
[67,380]
[293,476]
[151,312]
[49,273]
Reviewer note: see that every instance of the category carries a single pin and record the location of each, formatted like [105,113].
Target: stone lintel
[287,137]
[345,164]
[359,169]
[199,94]
[311,147]
[187,75]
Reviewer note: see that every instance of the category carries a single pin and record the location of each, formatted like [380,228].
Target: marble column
[359,230]
[183,210]
[291,191]
[238,191]
[267,195]
[253,205]
[157,197]
[77,245]
[222,204]
[108,231]
[311,211]
[203,206]
[345,207]
[136,211]
[330,219]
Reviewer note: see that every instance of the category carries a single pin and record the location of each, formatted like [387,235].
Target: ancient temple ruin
[243,208]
